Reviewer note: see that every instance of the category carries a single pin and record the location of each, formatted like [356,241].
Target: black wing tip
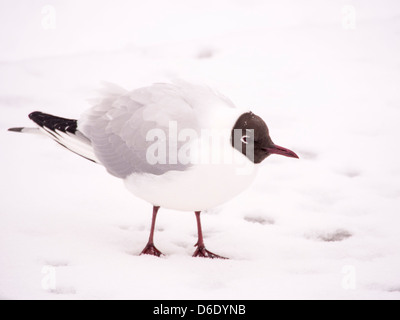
[18,129]
[53,122]
[35,114]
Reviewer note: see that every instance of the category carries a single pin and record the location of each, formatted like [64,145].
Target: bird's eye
[244,139]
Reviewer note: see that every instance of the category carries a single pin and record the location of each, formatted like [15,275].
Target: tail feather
[63,131]
[25,130]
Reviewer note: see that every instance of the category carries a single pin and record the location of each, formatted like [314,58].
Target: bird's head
[250,136]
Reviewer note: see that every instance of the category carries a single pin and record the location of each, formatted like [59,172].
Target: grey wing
[121,129]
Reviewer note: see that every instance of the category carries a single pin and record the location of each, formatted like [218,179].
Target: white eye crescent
[244,139]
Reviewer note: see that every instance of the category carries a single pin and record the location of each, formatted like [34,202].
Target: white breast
[201,187]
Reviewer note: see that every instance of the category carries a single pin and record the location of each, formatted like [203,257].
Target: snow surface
[325,226]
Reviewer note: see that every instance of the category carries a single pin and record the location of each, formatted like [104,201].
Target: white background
[325,226]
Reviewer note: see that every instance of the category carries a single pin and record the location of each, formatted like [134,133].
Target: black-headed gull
[179,146]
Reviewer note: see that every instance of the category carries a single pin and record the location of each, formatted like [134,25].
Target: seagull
[177,145]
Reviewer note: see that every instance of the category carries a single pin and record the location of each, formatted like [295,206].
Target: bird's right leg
[150,249]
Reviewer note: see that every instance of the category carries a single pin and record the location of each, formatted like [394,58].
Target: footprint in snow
[57,263]
[63,290]
[205,53]
[259,219]
[334,236]
[351,173]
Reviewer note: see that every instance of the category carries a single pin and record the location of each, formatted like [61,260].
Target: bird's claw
[151,250]
[202,252]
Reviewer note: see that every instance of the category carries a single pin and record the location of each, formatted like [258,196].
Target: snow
[325,226]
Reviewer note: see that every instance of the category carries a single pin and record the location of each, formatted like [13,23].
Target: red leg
[150,249]
[201,250]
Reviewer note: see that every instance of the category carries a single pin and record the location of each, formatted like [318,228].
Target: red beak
[282,151]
